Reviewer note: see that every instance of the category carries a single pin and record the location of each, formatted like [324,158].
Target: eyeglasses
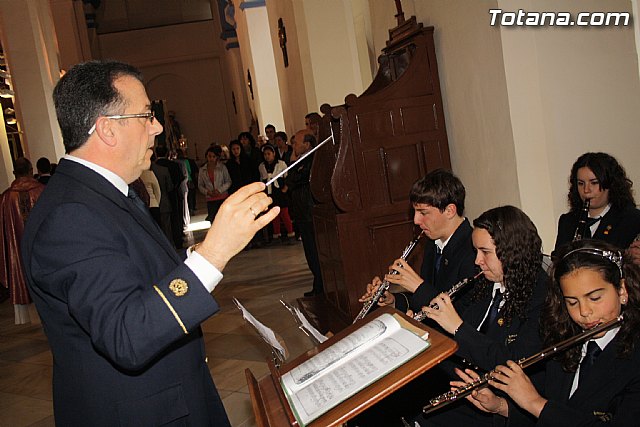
[151,116]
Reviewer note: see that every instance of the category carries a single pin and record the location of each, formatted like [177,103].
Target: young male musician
[438,203]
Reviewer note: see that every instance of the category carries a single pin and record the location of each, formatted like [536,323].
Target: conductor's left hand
[236,223]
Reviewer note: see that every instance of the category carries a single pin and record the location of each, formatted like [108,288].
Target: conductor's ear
[105,131]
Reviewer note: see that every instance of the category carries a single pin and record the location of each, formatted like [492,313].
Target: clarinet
[581,228]
[385,284]
[421,315]
[480,382]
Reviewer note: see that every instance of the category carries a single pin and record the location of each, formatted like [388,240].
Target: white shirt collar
[114,179]
[441,244]
[604,211]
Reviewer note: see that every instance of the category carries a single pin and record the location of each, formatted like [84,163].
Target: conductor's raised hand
[241,215]
[406,277]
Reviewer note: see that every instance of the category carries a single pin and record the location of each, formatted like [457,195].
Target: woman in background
[612,216]
[214,181]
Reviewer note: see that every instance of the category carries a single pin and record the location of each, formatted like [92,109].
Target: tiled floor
[258,278]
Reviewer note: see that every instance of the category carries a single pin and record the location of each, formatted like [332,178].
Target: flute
[384,286]
[421,315]
[452,396]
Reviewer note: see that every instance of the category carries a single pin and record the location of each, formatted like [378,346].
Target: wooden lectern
[272,409]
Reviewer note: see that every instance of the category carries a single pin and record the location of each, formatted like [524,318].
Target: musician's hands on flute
[386,299]
[512,380]
[483,398]
[405,277]
[445,314]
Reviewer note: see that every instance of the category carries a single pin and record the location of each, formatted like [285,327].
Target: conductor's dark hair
[85,93]
[439,188]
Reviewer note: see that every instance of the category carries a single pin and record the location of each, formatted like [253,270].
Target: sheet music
[309,327]
[265,332]
[348,366]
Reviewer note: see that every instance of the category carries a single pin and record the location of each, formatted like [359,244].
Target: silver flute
[384,286]
[480,382]
[421,315]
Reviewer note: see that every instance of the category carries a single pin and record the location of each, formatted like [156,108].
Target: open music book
[351,364]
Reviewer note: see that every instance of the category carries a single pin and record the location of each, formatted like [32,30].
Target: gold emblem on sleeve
[179,287]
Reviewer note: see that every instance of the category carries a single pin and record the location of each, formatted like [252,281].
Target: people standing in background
[166,188]
[283,150]
[43,165]
[15,205]
[301,206]
[312,124]
[268,169]
[613,216]
[238,166]
[270,133]
[175,195]
[253,152]
[192,178]
[152,187]
[214,181]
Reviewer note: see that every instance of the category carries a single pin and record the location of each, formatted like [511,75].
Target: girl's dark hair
[519,249]
[558,325]
[242,155]
[252,140]
[611,176]
[215,149]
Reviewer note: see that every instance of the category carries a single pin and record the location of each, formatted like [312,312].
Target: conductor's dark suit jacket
[456,264]
[120,309]
[618,227]
[610,396]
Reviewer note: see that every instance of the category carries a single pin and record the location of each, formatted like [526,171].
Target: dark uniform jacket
[120,309]
[456,264]
[618,227]
[610,396]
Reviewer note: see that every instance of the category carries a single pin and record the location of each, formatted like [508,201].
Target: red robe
[15,205]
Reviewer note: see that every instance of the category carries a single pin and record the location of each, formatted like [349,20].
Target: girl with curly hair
[503,321]
[613,216]
[597,382]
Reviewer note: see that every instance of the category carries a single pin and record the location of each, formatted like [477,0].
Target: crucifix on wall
[282,37]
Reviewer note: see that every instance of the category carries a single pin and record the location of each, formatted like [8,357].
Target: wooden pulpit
[383,141]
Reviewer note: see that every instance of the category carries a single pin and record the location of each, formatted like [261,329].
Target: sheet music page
[348,366]
[309,327]
[265,332]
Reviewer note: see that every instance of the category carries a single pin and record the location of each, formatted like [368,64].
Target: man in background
[15,205]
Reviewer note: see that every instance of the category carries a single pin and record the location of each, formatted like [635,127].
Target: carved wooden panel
[385,140]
